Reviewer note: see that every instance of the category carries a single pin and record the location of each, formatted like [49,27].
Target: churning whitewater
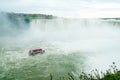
[71,45]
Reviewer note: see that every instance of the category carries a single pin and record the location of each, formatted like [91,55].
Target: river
[71,46]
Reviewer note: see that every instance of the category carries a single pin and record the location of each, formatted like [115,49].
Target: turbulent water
[71,45]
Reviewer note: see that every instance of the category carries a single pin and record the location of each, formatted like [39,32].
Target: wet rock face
[17,23]
[11,25]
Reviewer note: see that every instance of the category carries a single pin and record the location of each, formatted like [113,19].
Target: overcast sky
[68,8]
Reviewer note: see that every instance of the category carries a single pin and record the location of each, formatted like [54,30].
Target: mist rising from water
[81,33]
[72,43]
[97,39]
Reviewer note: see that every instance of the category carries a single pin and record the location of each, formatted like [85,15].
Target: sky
[66,8]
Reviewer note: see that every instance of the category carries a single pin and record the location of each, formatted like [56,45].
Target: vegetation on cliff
[111,74]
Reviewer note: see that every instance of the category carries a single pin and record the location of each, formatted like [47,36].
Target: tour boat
[36,51]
